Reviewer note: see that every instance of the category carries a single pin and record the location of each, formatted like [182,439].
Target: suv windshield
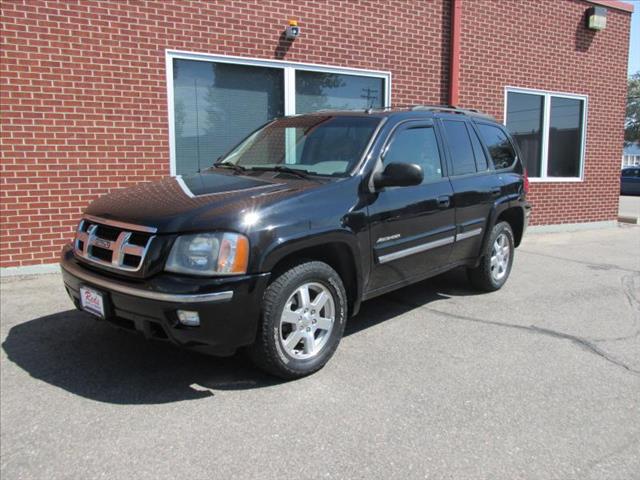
[316,144]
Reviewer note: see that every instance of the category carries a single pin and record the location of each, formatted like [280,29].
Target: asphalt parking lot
[539,380]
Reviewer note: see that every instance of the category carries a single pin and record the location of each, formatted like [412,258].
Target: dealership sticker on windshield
[92,301]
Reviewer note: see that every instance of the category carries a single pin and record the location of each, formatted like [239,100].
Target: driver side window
[416,145]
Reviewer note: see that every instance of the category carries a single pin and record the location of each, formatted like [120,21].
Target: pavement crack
[583,343]
[632,294]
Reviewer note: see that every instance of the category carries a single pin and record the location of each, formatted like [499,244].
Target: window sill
[556,179]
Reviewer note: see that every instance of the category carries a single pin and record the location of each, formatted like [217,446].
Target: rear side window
[416,145]
[460,147]
[499,146]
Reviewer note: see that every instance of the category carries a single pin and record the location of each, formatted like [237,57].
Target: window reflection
[318,91]
[524,120]
[217,104]
[565,137]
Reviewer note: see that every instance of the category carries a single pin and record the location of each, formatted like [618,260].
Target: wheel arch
[338,250]
[514,216]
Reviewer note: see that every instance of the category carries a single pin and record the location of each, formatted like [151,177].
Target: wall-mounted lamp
[597,18]
[293,30]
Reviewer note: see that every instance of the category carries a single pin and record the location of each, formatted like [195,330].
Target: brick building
[100,95]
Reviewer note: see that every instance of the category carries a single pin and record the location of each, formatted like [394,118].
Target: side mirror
[399,175]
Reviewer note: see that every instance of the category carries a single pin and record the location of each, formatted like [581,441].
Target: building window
[212,102]
[550,131]
[320,90]
[216,101]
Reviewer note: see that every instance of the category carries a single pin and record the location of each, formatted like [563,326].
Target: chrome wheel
[307,320]
[500,254]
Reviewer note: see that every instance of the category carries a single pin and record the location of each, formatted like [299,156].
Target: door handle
[496,191]
[444,201]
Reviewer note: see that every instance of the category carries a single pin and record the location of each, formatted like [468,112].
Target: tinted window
[478,151]
[322,144]
[320,90]
[416,145]
[207,120]
[565,137]
[460,147]
[498,144]
[524,120]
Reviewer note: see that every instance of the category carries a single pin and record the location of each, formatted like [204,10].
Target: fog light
[189,318]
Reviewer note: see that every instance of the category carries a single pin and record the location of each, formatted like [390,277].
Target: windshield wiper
[281,168]
[231,166]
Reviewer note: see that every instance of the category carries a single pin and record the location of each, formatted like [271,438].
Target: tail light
[525,177]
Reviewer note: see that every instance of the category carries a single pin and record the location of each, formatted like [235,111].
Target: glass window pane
[319,91]
[326,145]
[498,144]
[217,104]
[419,146]
[481,159]
[460,147]
[565,137]
[524,121]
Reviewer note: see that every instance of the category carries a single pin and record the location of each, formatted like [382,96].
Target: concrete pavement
[629,208]
[540,380]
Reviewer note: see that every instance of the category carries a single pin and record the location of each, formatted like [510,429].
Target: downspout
[454,66]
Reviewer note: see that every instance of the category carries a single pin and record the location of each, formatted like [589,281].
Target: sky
[634,41]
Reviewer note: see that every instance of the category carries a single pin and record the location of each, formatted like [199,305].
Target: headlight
[209,254]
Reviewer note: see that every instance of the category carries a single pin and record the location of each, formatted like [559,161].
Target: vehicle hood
[199,202]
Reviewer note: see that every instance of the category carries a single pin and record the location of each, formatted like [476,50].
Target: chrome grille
[112,244]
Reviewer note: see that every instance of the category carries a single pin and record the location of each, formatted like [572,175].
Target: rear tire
[496,260]
[304,311]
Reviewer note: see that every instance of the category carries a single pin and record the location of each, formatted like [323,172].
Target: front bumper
[229,308]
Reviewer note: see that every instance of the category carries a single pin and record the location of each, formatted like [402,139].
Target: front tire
[304,311]
[496,261]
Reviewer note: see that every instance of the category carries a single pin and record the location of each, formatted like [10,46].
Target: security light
[293,30]
[597,18]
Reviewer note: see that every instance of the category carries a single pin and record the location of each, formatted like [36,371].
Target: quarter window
[500,148]
[549,129]
[416,145]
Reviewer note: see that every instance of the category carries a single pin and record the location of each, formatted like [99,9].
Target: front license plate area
[92,301]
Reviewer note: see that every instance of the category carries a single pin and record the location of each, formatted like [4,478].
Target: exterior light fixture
[597,18]
[293,30]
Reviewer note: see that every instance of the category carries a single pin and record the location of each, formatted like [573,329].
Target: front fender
[280,249]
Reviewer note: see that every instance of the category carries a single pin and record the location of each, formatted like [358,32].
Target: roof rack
[414,107]
[451,109]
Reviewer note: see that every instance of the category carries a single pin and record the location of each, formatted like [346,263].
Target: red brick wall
[545,45]
[84,107]
[83,91]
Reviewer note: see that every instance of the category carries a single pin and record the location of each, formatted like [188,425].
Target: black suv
[274,246]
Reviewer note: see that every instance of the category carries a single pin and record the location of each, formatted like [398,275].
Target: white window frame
[289,69]
[546,118]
